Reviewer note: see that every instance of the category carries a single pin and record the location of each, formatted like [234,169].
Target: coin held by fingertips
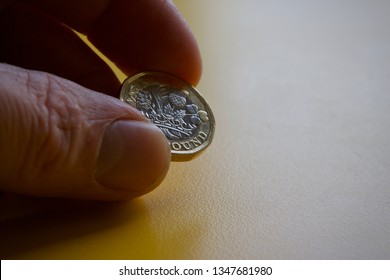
[176,108]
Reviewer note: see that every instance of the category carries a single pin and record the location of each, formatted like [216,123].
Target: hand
[60,136]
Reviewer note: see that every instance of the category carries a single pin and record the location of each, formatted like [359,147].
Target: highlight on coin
[176,108]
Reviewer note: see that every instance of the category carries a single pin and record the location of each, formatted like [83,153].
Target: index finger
[136,35]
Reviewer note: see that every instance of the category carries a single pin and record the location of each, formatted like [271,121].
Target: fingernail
[134,156]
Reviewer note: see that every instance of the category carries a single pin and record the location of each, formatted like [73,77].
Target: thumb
[59,139]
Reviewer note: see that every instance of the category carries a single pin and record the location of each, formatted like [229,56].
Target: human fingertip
[134,158]
[147,35]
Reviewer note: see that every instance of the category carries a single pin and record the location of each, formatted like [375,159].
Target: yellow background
[299,166]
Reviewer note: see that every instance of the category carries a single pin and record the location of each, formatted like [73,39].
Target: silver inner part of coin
[171,110]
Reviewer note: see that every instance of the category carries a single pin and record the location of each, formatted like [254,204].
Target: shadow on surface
[39,228]
[28,224]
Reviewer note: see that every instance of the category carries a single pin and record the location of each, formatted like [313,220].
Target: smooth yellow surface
[299,166]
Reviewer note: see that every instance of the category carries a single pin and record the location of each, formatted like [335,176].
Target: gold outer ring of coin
[176,108]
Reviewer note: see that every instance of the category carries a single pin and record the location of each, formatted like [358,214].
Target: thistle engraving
[170,109]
